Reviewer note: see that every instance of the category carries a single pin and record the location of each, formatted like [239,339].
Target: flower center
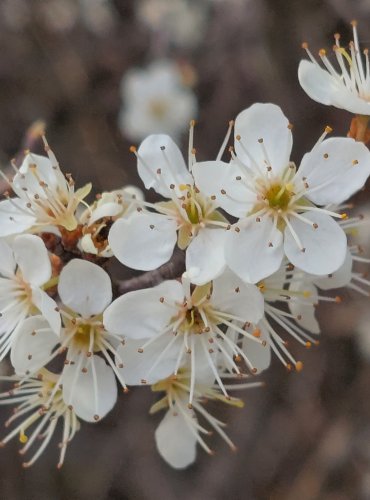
[278,196]
[192,322]
[158,108]
[86,334]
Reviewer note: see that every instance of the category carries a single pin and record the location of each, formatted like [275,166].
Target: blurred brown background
[305,436]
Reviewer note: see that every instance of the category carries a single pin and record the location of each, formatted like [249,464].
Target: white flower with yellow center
[87,378]
[156,100]
[346,86]
[25,273]
[146,240]
[40,408]
[277,204]
[44,197]
[173,322]
[180,431]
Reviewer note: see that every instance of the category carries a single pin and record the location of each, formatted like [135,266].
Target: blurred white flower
[44,197]
[173,322]
[180,22]
[146,240]
[40,409]
[347,86]
[88,380]
[156,100]
[276,203]
[25,271]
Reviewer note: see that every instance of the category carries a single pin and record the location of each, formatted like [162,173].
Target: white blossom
[276,203]
[346,86]
[40,408]
[25,272]
[88,379]
[44,197]
[174,322]
[145,240]
[155,100]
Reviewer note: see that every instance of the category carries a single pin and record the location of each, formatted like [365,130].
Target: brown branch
[171,270]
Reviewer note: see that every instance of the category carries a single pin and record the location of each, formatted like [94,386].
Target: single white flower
[98,218]
[88,380]
[346,86]
[25,271]
[276,203]
[155,100]
[174,323]
[180,430]
[145,240]
[38,414]
[44,197]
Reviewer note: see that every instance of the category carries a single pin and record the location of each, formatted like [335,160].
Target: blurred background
[104,73]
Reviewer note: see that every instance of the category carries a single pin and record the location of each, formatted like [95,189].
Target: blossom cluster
[262,239]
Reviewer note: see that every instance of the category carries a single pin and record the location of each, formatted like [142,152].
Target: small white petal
[256,251]
[144,241]
[85,287]
[206,253]
[339,278]
[7,262]
[259,355]
[305,310]
[13,220]
[231,295]
[325,247]
[161,152]
[91,398]
[47,306]
[175,442]
[267,122]
[33,343]
[214,178]
[32,258]
[143,314]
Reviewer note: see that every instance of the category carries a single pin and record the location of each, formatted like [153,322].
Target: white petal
[339,278]
[259,355]
[139,366]
[249,252]
[335,170]
[91,397]
[305,309]
[7,262]
[326,89]
[32,258]
[144,241]
[85,287]
[175,442]
[267,122]
[109,209]
[325,247]
[47,306]
[13,220]
[160,152]
[205,256]
[142,314]
[231,295]
[213,176]
[33,343]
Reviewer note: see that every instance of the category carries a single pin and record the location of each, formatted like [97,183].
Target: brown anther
[213,197]
[29,357]
[140,350]
[237,137]
[143,381]
[290,126]
[299,317]
[210,340]
[303,250]
[254,370]
[326,156]
[162,148]
[238,178]
[193,151]
[354,162]
[322,52]
[33,333]
[256,333]
[190,406]
[337,36]
[328,129]
[308,345]
[237,290]
[151,226]
[172,186]
[354,23]
[159,171]
[161,300]
[258,219]
[237,229]
[223,191]
[132,149]
[304,45]
[120,365]
[315,226]
[210,351]
[338,299]
[237,358]
[96,418]
[260,140]
[84,369]
[270,244]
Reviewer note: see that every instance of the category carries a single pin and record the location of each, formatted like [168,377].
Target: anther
[96,418]
[304,45]
[161,299]
[299,366]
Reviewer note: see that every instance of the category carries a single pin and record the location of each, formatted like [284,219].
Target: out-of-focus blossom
[179,22]
[276,203]
[156,100]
